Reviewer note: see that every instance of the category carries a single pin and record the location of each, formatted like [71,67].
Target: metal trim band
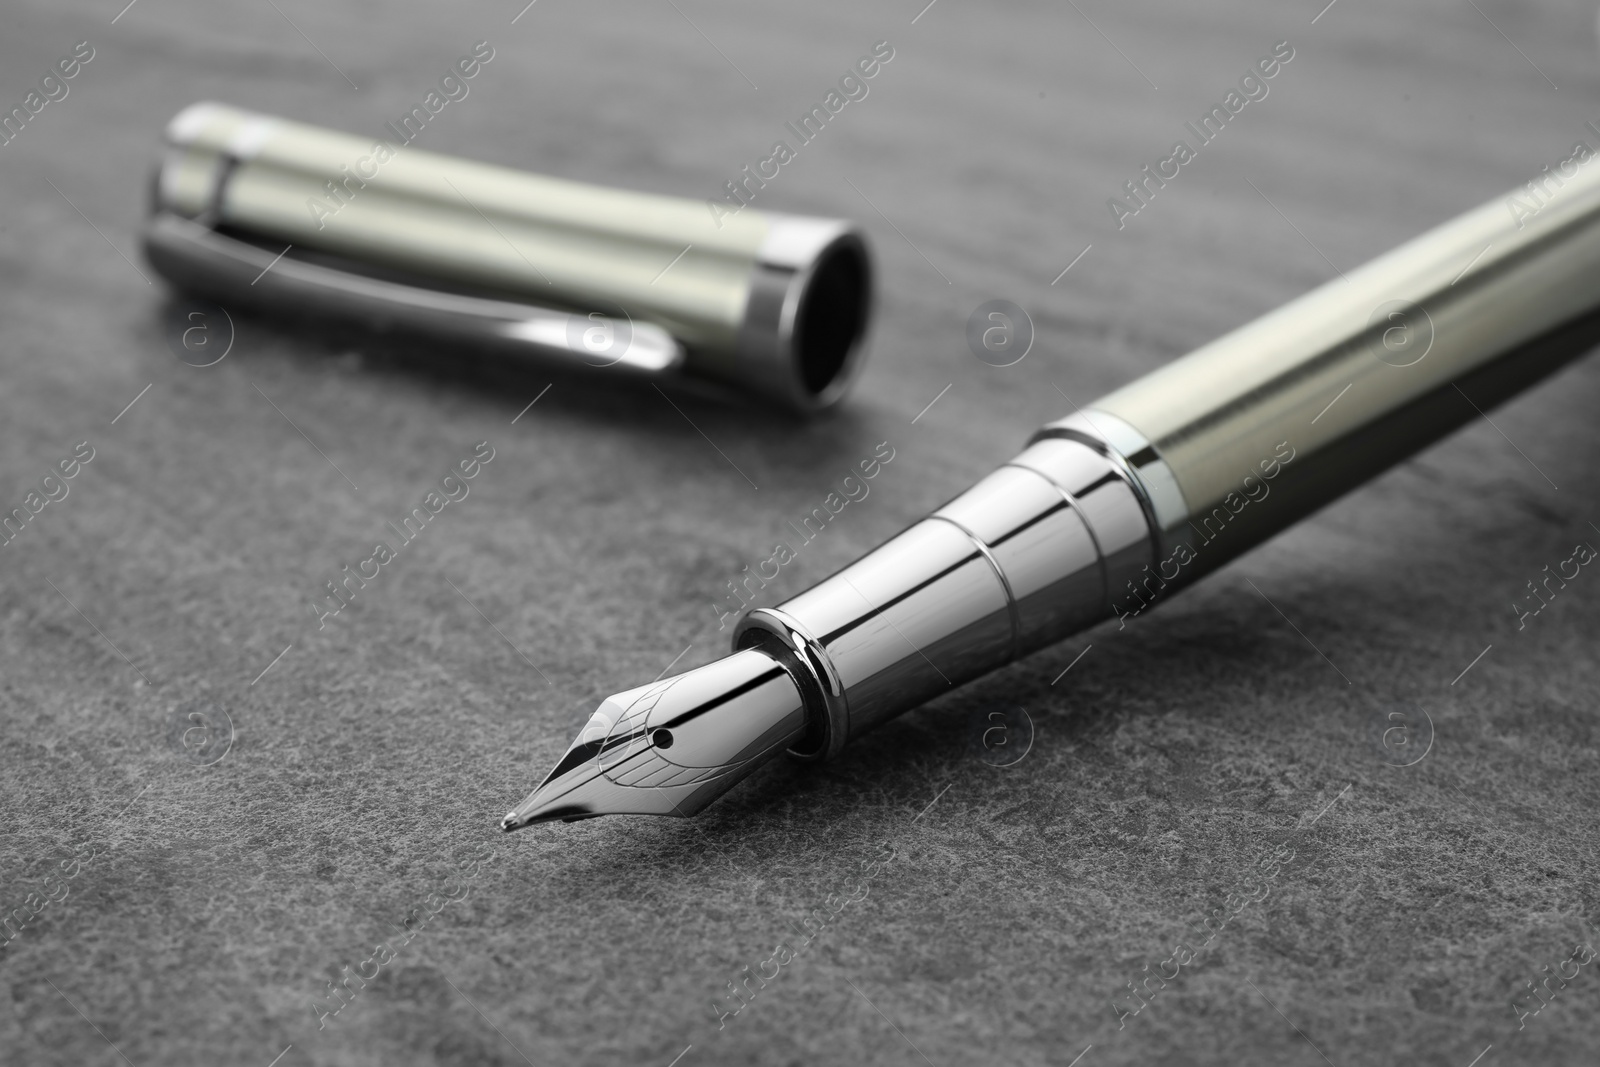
[1147,471]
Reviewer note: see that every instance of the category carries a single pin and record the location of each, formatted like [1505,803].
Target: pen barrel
[1358,374]
[1113,508]
[773,303]
[1026,557]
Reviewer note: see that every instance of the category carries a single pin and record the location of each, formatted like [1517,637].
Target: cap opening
[832,315]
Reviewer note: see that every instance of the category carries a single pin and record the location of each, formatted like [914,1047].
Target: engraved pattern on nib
[627,734]
[627,755]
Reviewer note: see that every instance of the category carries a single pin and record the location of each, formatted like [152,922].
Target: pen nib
[674,746]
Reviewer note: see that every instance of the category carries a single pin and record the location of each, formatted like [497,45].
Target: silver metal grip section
[1027,556]
[1038,546]
[1144,467]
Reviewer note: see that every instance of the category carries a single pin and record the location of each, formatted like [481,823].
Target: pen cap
[772,304]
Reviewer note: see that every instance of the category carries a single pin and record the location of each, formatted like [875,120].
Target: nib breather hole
[662,738]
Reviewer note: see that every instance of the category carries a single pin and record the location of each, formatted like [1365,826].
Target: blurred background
[164,903]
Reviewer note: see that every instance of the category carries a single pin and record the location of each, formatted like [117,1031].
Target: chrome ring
[813,658]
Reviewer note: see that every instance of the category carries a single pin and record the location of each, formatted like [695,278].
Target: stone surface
[210,904]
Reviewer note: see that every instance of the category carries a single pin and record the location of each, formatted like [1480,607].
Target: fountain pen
[1122,503]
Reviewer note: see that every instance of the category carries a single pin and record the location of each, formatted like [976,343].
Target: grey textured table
[194,913]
